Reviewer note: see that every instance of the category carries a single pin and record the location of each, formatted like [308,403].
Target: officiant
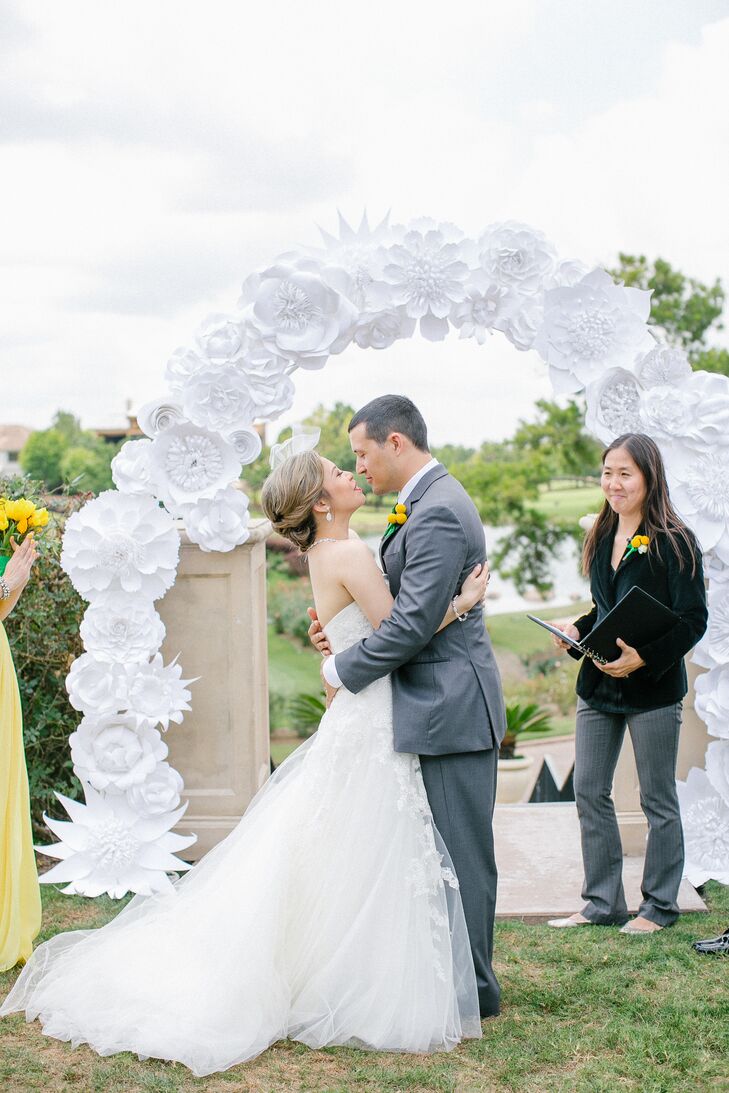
[638,539]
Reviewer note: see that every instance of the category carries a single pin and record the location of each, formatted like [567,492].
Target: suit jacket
[446,686]
[663,680]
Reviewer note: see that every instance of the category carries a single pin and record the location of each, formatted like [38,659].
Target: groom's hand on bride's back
[317,637]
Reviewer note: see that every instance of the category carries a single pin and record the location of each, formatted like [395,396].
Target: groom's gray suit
[447,701]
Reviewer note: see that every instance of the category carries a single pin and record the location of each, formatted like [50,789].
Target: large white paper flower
[108,848]
[591,326]
[115,751]
[121,629]
[379,329]
[130,467]
[246,443]
[712,700]
[156,692]
[297,314]
[219,523]
[663,366]
[357,253]
[158,794]
[516,256]
[270,387]
[613,405]
[120,542]
[705,819]
[95,686]
[486,307]
[700,492]
[158,414]
[427,273]
[695,412]
[717,767]
[713,649]
[189,463]
[218,399]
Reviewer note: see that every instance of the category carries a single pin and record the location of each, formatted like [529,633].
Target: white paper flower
[160,792]
[95,686]
[270,387]
[712,700]
[220,523]
[246,443]
[613,405]
[705,819]
[663,366]
[108,848]
[380,329]
[700,491]
[156,692]
[222,339]
[189,463]
[717,767]
[427,274]
[357,253]
[218,399]
[522,325]
[182,365]
[568,272]
[297,314]
[158,414]
[120,542]
[121,629]
[696,412]
[591,326]
[130,467]
[516,256]
[487,307]
[115,751]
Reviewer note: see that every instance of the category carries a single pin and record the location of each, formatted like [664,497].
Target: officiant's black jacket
[662,681]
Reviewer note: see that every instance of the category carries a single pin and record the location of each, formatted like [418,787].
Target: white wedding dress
[330,915]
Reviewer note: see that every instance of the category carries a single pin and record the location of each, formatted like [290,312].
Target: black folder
[637,618]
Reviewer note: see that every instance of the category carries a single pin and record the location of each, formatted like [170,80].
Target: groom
[447,702]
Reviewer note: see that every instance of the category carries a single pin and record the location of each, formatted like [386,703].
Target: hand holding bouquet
[19,520]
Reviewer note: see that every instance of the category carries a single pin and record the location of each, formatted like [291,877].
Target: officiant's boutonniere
[637,545]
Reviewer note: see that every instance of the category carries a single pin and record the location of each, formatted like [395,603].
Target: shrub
[287,604]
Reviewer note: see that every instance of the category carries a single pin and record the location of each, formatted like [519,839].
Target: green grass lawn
[584,1011]
[515,633]
[568,504]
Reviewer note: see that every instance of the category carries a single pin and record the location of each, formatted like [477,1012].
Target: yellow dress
[20,904]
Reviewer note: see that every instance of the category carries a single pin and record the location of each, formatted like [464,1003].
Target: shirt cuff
[331,675]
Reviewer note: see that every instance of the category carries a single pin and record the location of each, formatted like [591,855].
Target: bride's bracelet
[4,589]
[455,610]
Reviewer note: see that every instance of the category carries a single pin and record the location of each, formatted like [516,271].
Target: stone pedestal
[215,617]
[693,742]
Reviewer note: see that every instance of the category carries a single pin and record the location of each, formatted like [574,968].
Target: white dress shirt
[331,675]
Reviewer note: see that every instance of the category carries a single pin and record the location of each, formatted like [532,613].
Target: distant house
[116,433]
[12,441]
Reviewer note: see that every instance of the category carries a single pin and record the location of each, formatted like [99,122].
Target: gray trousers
[598,740]
[461,791]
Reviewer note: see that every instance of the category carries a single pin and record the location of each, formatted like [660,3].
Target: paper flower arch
[369,287]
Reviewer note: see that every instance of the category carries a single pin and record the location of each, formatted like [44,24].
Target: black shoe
[718,944]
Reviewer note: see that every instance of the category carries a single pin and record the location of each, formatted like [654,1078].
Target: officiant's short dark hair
[392,414]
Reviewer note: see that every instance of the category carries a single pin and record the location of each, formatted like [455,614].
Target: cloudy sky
[154,154]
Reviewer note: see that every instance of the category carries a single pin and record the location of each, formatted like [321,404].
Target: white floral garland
[370,287]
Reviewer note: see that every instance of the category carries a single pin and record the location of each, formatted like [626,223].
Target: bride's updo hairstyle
[289,495]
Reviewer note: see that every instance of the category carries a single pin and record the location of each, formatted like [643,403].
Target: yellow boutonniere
[397,517]
[637,545]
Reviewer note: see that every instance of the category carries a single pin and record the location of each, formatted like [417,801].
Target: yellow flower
[635,542]
[39,519]
[400,509]
[391,518]
[400,517]
[4,522]
[644,540]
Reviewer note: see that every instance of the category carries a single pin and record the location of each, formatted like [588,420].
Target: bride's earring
[329,516]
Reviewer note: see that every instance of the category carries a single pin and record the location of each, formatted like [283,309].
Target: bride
[330,914]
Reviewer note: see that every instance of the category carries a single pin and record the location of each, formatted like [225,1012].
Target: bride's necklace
[317,541]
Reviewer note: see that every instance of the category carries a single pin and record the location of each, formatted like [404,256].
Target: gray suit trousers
[461,790]
[598,740]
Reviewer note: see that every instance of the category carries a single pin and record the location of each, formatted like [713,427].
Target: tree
[87,470]
[66,453]
[559,435]
[41,457]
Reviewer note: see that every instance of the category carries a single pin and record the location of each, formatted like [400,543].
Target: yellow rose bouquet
[18,518]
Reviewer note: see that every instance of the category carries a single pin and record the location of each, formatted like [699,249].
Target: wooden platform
[540,865]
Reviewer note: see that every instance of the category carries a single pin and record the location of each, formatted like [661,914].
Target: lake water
[502,597]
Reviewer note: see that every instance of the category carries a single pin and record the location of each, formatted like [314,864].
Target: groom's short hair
[392,414]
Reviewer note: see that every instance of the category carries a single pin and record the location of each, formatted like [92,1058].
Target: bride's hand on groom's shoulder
[317,637]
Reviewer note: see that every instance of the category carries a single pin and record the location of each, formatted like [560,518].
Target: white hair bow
[304,438]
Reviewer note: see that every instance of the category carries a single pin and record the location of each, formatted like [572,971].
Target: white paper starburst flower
[189,463]
[486,307]
[712,700]
[121,629]
[120,542]
[95,686]
[663,366]
[427,273]
[114,751]
[705,819]
[218,399]
[270,387]
[158,414]
[380,329]
[700,492]
[246,443]
[613,405]
[717,767]
[297,314]
[156,692]
[219,523]
[516,256]
[592,326]
[158,794]
[357,253]
[130,467]
[108,848]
